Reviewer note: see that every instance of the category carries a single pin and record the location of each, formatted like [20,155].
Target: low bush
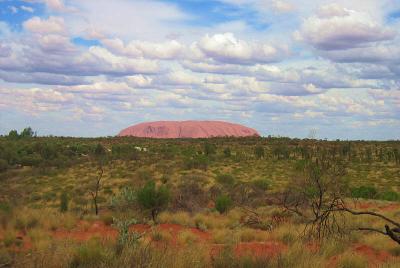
[223,203]
[367,192]
[153,198]
[389,196]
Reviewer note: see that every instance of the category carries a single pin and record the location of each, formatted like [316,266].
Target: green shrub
[152,198]
[64,202]
[389,196]
[223,203]
[367,192]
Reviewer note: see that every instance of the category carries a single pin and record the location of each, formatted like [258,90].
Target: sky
[284,67]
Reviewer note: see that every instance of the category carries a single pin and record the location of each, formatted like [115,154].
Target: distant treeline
[27,149]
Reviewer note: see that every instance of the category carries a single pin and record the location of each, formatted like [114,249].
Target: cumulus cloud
[337,28]
[349,74]
[52,25]
[227,48]
[162,50]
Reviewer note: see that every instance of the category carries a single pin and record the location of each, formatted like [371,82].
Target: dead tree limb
[95,193]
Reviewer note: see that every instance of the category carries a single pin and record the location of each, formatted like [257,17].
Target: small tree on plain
[94,193]
[223,203]
[153,198]
[100,156]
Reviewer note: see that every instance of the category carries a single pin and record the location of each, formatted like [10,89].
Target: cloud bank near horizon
[91,68]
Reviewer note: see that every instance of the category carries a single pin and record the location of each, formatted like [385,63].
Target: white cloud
[336,28]
[161,50]
[52,25]
[27,9]
[228,49]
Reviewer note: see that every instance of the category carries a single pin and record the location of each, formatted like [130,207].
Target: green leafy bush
[223,203]
[389,196]
[152,198]
[367,192]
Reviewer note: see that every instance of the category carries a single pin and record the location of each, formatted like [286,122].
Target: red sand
[374,256]
[188,129]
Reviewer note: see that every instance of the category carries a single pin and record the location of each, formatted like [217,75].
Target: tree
[13,134]
[319,198]
[315,194]
[223,203]
[27,133]
[152,198]
[96,188]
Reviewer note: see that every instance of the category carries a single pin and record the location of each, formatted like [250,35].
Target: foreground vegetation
[223,202]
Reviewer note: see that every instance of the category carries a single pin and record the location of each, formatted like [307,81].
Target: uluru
[188,129]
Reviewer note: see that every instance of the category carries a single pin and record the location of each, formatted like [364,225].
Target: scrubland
[221,202]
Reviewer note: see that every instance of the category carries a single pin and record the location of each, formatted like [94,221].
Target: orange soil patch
[374,256]
[255,249]
[363,205]
[176,229]
[390,207]
[83,232]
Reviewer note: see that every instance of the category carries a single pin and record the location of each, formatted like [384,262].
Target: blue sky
[91,68]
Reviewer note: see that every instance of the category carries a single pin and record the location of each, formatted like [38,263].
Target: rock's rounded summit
[188,129]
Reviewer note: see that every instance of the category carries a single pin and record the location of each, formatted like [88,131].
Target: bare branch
[370,213]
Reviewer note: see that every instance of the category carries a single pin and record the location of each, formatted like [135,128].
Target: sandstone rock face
[188,129]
